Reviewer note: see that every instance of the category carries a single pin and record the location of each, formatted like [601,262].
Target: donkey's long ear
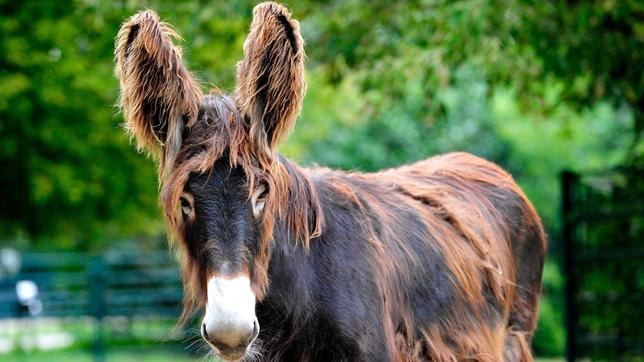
[158,95]
[270,77]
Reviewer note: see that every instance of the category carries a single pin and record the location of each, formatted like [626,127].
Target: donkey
[438,260]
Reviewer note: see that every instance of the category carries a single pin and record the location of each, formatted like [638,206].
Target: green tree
[69,176]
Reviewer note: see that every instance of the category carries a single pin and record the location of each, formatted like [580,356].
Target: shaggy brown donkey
[439,260]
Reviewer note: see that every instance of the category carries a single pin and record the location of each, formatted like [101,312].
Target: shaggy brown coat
[467,210]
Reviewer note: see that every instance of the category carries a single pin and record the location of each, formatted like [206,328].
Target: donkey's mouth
[231,355]
[223,351]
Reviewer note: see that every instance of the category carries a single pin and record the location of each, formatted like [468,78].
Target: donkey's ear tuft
[158,96]
[270,77]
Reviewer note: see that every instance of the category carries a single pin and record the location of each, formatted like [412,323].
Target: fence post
[568,181]
[97,304]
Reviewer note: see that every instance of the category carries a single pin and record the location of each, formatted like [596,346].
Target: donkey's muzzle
[230,324]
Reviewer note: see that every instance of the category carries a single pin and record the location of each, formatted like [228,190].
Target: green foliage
[537,87]
[550,336]
[71,178]
[594,46]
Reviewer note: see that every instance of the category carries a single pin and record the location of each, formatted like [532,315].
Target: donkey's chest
[317,337]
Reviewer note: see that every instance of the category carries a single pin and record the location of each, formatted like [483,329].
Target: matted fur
[158,97]
[454,227]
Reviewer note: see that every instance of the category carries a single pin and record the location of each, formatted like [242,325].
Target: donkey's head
[222,185]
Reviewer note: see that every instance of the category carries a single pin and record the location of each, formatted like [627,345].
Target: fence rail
[99,286]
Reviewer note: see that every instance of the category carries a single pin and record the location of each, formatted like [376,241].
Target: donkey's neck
[288,267]
[291,279]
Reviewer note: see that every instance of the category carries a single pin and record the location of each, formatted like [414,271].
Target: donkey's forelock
[218,133]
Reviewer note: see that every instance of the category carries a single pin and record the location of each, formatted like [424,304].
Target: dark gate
[603,218]
[120,297]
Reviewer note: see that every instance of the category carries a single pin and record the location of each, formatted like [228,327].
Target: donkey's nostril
[255,332]
[206,336]
[204,333]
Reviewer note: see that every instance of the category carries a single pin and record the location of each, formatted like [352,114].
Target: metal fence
[119,296]
[603,218]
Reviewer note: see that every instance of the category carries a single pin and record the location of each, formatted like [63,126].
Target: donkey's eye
[185,206]
[186,201]
[258,199]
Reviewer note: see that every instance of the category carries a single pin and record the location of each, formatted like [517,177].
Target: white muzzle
[230,324]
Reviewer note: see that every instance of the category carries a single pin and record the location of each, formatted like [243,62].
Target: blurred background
[539,87]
